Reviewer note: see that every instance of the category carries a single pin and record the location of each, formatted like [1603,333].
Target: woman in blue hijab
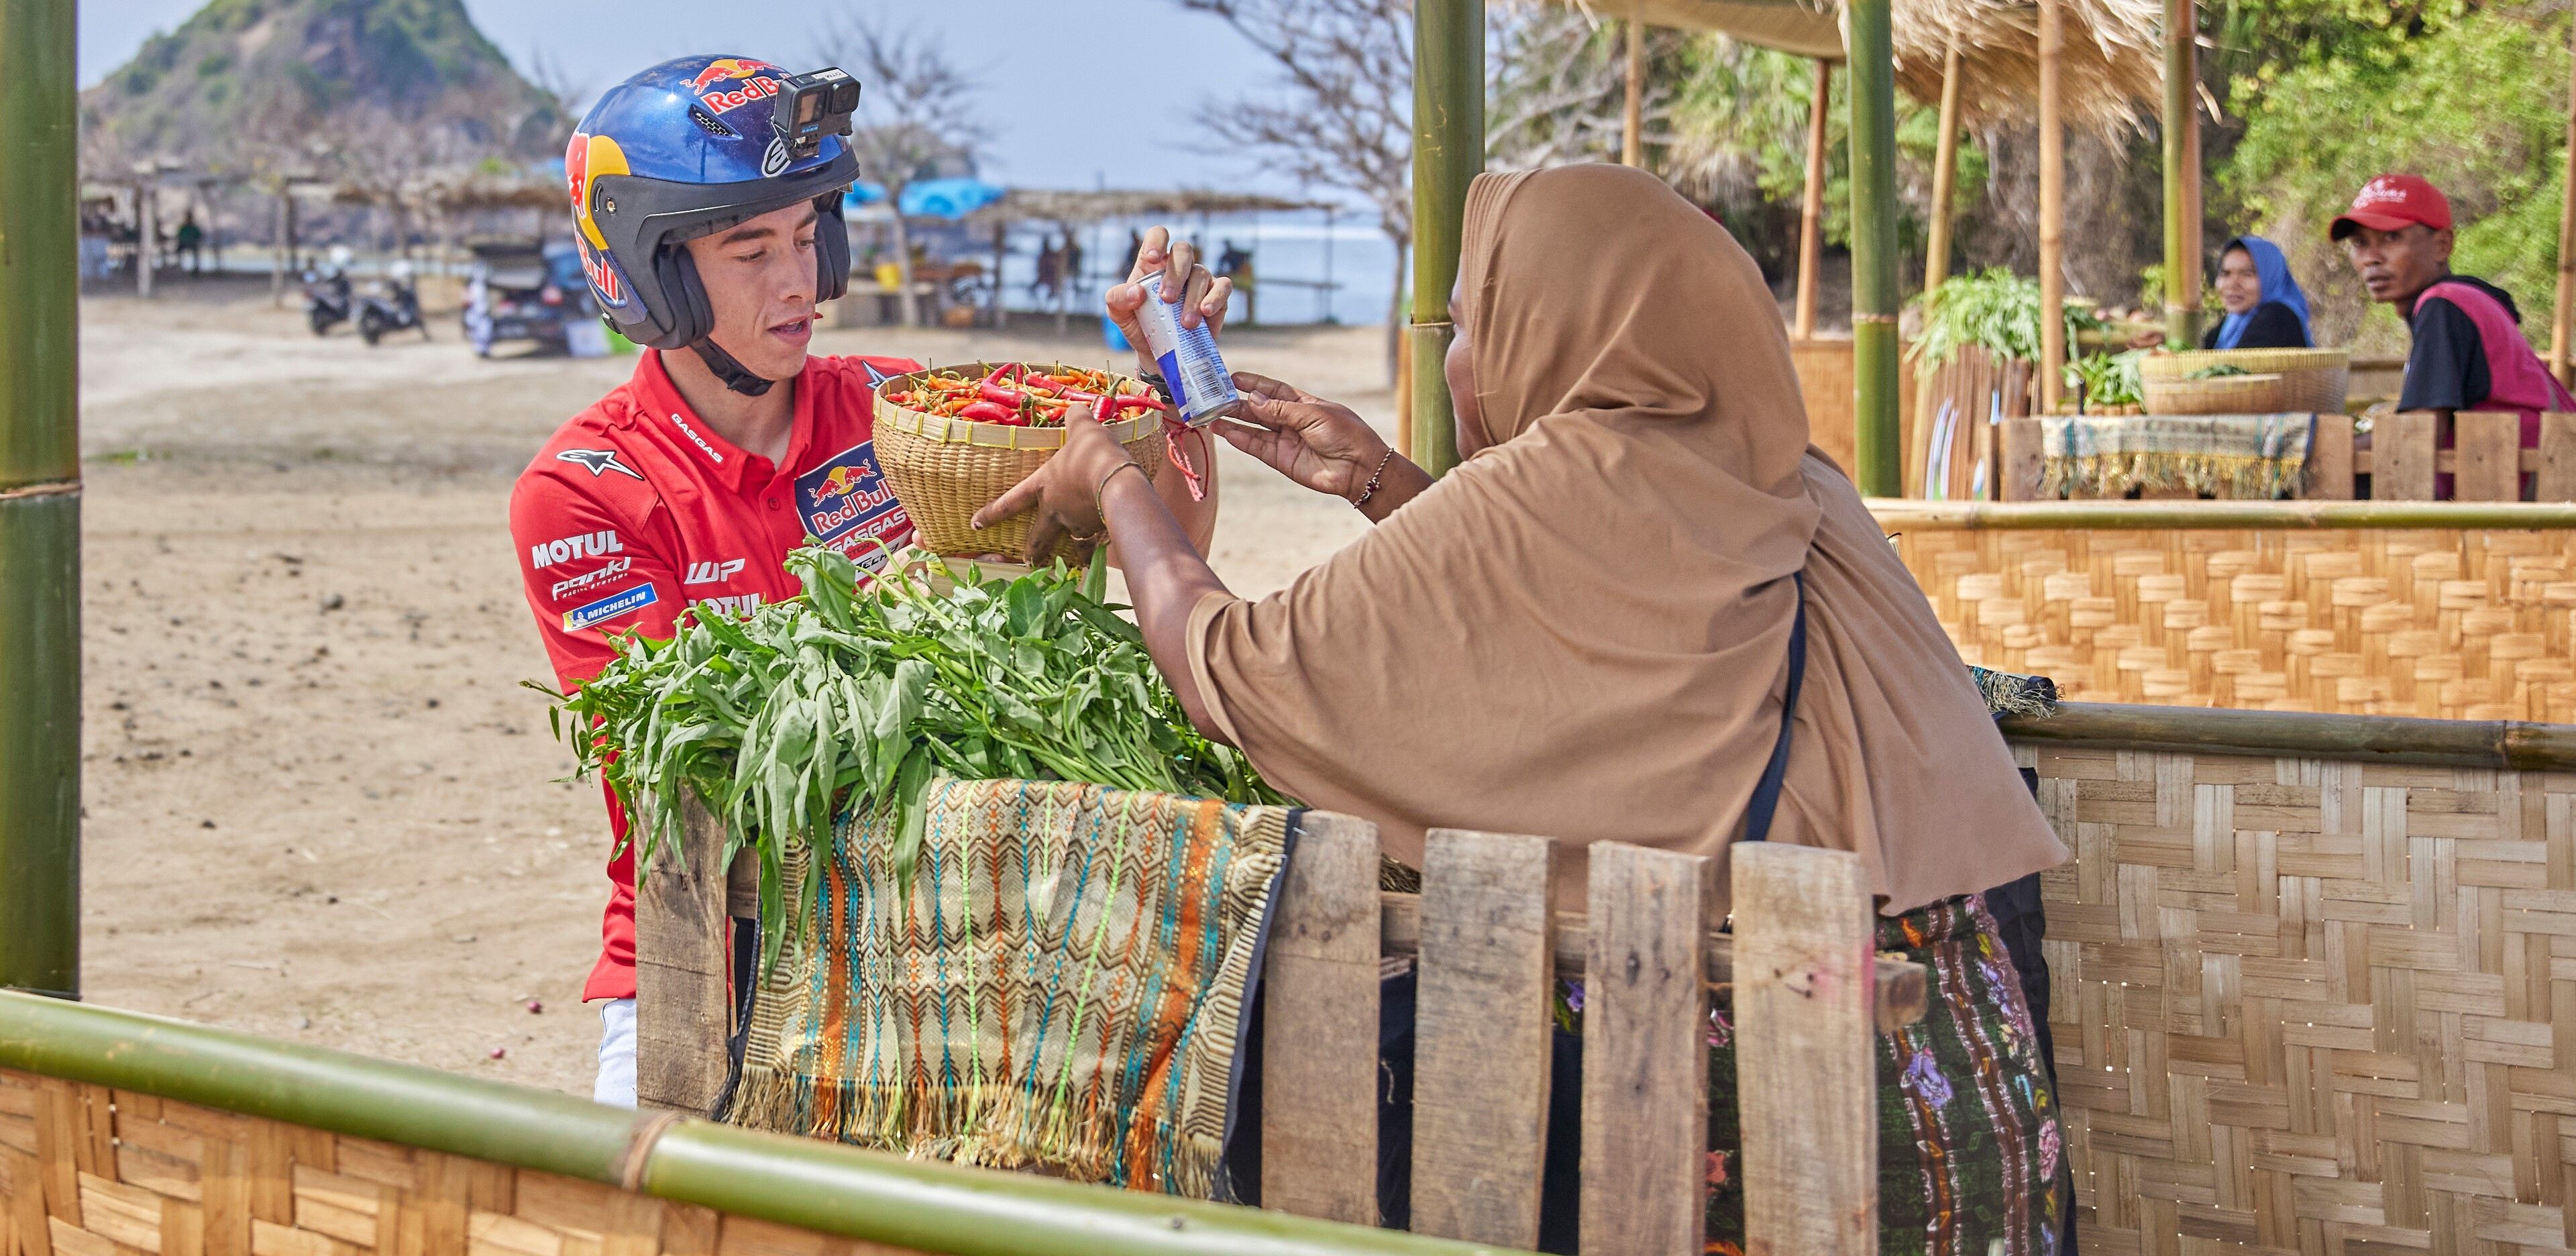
[2265,309]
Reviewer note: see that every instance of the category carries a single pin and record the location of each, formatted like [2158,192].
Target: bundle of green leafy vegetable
[846,699]
[2108,379]
[1995,310]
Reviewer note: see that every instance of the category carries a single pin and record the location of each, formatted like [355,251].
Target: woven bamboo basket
[2301,381]
[943,470]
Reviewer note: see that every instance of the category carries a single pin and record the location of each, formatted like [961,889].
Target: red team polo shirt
[636,510]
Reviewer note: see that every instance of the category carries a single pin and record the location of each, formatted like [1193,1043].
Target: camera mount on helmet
[696,146]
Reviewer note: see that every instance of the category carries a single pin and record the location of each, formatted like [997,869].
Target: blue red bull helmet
[691,147]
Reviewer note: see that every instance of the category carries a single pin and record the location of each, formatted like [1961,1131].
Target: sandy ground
[319,805]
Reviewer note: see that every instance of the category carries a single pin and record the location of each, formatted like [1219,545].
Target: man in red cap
[2469,352]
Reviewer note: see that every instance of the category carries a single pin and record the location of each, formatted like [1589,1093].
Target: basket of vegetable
[953,438]
[2246,381]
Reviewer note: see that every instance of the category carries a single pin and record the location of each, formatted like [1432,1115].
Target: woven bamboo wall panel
[2456,624]
[2314,1007]
[86,1171]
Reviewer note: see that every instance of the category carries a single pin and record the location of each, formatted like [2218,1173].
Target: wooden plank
[682,1014]
[2330,469]
[2401,449]
[60,1146]
[1482,1034]
[634,1226]
[26,1203]
[1645,1053]
[2489,471]
[271,1173]
[224,1178]
[1899,983]
[2018,467]
[2557,470]
[1319,1069]
[1806,1077]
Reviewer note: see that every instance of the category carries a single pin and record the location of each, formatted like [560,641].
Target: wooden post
[1945,173]
[2052,208]
[147,230]
[1811,210]
[1878,453]
[1482,1037]
[1806,1072]
[2182,172]
[2565,311]
[1448,152]
[1632,122]
[1645,1052]
[1319,1063]
[682,1014]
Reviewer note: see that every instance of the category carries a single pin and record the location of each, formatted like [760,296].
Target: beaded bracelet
[1374,477]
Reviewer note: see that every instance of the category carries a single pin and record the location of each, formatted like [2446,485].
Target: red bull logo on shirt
[761,83]
[846,504]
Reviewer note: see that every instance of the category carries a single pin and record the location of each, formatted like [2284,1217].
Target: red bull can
[1202,389]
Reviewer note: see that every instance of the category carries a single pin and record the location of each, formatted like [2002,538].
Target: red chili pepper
[989,412]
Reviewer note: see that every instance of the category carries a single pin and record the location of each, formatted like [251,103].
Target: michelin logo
[610,607]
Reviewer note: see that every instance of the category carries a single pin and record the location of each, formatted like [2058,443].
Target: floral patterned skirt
[1970,1160]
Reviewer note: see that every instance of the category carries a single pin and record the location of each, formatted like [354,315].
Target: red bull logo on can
[761,83]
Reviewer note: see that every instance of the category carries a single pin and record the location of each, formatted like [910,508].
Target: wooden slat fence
[2401,459]
[1809,990]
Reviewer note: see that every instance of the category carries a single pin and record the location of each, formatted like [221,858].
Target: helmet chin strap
[734,374]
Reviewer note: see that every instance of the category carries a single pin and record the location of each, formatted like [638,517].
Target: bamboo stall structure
[1448,152]
[2402,462]
[40,503]
[2182,173]
[2430,609]
[1811,207]
[2052,207]
[2564,309]
[1878,447]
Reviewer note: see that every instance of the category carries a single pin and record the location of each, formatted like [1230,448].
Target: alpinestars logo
[712,572]
[596,461]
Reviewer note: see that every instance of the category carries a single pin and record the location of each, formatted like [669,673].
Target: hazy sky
[1063,111]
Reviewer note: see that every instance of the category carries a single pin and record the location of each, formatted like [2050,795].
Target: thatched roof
[1055,205]
[2112,72]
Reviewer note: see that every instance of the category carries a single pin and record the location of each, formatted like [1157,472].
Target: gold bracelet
[1099,491]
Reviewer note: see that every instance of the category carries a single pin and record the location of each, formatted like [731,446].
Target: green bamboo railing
[926,1206]
[2506,745]
[1896,512]
[39,503]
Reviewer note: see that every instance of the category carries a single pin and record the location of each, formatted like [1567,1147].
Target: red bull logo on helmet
[759,82]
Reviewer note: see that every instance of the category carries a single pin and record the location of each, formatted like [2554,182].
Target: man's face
[759,277]
[2395,265]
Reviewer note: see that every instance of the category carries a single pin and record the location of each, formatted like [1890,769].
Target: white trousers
[616,1084]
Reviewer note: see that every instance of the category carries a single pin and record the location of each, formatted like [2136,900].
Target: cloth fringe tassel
[2234,477]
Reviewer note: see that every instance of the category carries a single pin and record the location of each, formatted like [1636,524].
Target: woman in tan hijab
[1586,631]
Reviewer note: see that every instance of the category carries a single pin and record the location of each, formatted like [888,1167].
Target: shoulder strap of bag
[1766,792]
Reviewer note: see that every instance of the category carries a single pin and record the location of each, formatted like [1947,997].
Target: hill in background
[245,82]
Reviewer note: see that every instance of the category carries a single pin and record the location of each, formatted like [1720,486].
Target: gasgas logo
[759,84]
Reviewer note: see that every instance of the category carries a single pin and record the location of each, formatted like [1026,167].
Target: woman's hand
[1201,298]
[1314,442]
[1065,491]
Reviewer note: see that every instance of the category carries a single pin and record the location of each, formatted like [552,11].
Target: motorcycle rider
[709,230]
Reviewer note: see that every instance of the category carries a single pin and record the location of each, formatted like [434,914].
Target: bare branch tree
[1345,118]
[917,118]
[1559,86]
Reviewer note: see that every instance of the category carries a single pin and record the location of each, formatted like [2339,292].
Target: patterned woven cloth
[1060,989]
[2249,457]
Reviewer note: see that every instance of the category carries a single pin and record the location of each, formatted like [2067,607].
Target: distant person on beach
[192,242]
[2265,308]
[2469,353]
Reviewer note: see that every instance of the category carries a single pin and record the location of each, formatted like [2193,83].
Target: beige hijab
[1583,632]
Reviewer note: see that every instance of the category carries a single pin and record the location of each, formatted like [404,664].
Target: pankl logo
[725,70]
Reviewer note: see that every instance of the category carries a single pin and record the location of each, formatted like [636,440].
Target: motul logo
[712,573]
[578,545]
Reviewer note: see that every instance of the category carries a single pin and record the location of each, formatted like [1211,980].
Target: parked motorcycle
[327,299]
[394,309]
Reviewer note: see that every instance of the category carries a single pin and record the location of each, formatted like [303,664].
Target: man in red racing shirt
[707,224]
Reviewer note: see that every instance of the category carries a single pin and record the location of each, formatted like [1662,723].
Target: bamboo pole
[1811,209]
[1877,451]
[2565,311]
[2508,745]
[1632,122]
[1945,172]
[2182,173]
[2052,208]
[1448,151]
[40,655]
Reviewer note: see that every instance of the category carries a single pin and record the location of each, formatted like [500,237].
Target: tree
[1345,120]
[916,118]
